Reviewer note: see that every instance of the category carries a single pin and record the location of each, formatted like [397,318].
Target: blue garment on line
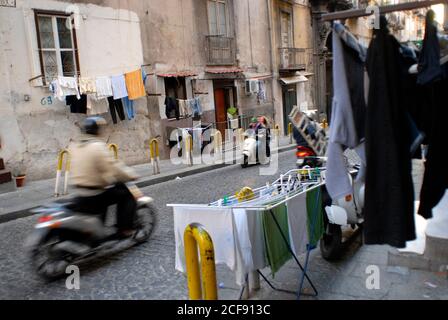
[195,105]
[129,107]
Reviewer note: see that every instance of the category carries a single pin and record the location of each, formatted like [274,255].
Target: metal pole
[195,235]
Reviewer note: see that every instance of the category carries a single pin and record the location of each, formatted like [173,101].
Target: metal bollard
[114,148]
[277,131]
[189,149]
[61,157]
[195,235]
[290,132]
[217,143]
[155,155]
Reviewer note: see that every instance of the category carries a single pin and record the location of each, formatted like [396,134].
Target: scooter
[65,236]
[340,214]
[254,150]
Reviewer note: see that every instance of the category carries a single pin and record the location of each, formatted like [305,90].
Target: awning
[179,74]
[224,70]
[257,76]
[294,79]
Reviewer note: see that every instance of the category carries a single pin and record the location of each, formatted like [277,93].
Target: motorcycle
[254,150]
[66,236]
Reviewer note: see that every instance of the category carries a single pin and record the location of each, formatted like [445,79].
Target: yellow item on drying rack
[245,194]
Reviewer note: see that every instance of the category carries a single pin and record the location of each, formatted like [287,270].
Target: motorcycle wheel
[146,220]
[49,264]
[245,163]
[330,244]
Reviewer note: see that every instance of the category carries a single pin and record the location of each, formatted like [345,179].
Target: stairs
[6,182]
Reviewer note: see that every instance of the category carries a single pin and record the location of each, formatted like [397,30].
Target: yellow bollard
[277,131]
[290,132]
[61,157]
[240,137]
[189,149]
[195,235]
[114,148]
[155,155]
[217,143]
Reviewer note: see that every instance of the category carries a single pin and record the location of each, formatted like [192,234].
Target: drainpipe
[272,51]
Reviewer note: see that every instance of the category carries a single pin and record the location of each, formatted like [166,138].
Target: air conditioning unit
[252,86]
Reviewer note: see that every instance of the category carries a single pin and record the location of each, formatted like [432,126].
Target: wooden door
[221,110]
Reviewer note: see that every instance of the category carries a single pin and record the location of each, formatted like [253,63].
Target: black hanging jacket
[389,198]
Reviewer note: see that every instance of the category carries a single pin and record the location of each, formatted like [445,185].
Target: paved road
[144,272]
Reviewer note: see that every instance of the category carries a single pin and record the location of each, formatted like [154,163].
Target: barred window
[58,52]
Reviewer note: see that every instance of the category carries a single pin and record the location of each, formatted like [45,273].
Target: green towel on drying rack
[277,252]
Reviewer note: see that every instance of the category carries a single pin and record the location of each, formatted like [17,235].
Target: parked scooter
[64,236]
[254,148]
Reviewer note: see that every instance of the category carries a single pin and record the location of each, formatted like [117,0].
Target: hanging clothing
[87,86]
[77,105]
[261,91]
[196,107]
[103,87]
[343,130]
[435,180]
[129,107]
[184,107]
[67,86]
[389,195]
[172,108]
[135,84]
[220,226]
[96,106]
[116,107]
[277,251]
[429,62]
[119,87]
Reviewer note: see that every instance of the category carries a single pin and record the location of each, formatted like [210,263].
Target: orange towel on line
[135,85]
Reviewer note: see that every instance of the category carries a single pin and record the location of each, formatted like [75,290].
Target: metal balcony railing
[220,50]
[294,58]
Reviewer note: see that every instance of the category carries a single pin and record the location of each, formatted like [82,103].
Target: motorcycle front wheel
[49,262]
[146,220]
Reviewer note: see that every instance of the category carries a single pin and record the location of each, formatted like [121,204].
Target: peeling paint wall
[34,131]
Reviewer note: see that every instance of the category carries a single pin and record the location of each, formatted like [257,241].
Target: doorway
[289,101]
[225,97]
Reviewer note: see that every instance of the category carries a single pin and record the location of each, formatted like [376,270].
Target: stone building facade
[220,51]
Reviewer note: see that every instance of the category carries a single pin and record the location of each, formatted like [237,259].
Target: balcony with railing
[293,59]
[220,50]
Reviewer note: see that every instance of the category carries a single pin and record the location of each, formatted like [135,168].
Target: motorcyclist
[262,127]
[99,178]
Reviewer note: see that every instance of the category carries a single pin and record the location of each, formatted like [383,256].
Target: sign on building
[8,3]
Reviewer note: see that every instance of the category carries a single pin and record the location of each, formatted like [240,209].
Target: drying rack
[289,186]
